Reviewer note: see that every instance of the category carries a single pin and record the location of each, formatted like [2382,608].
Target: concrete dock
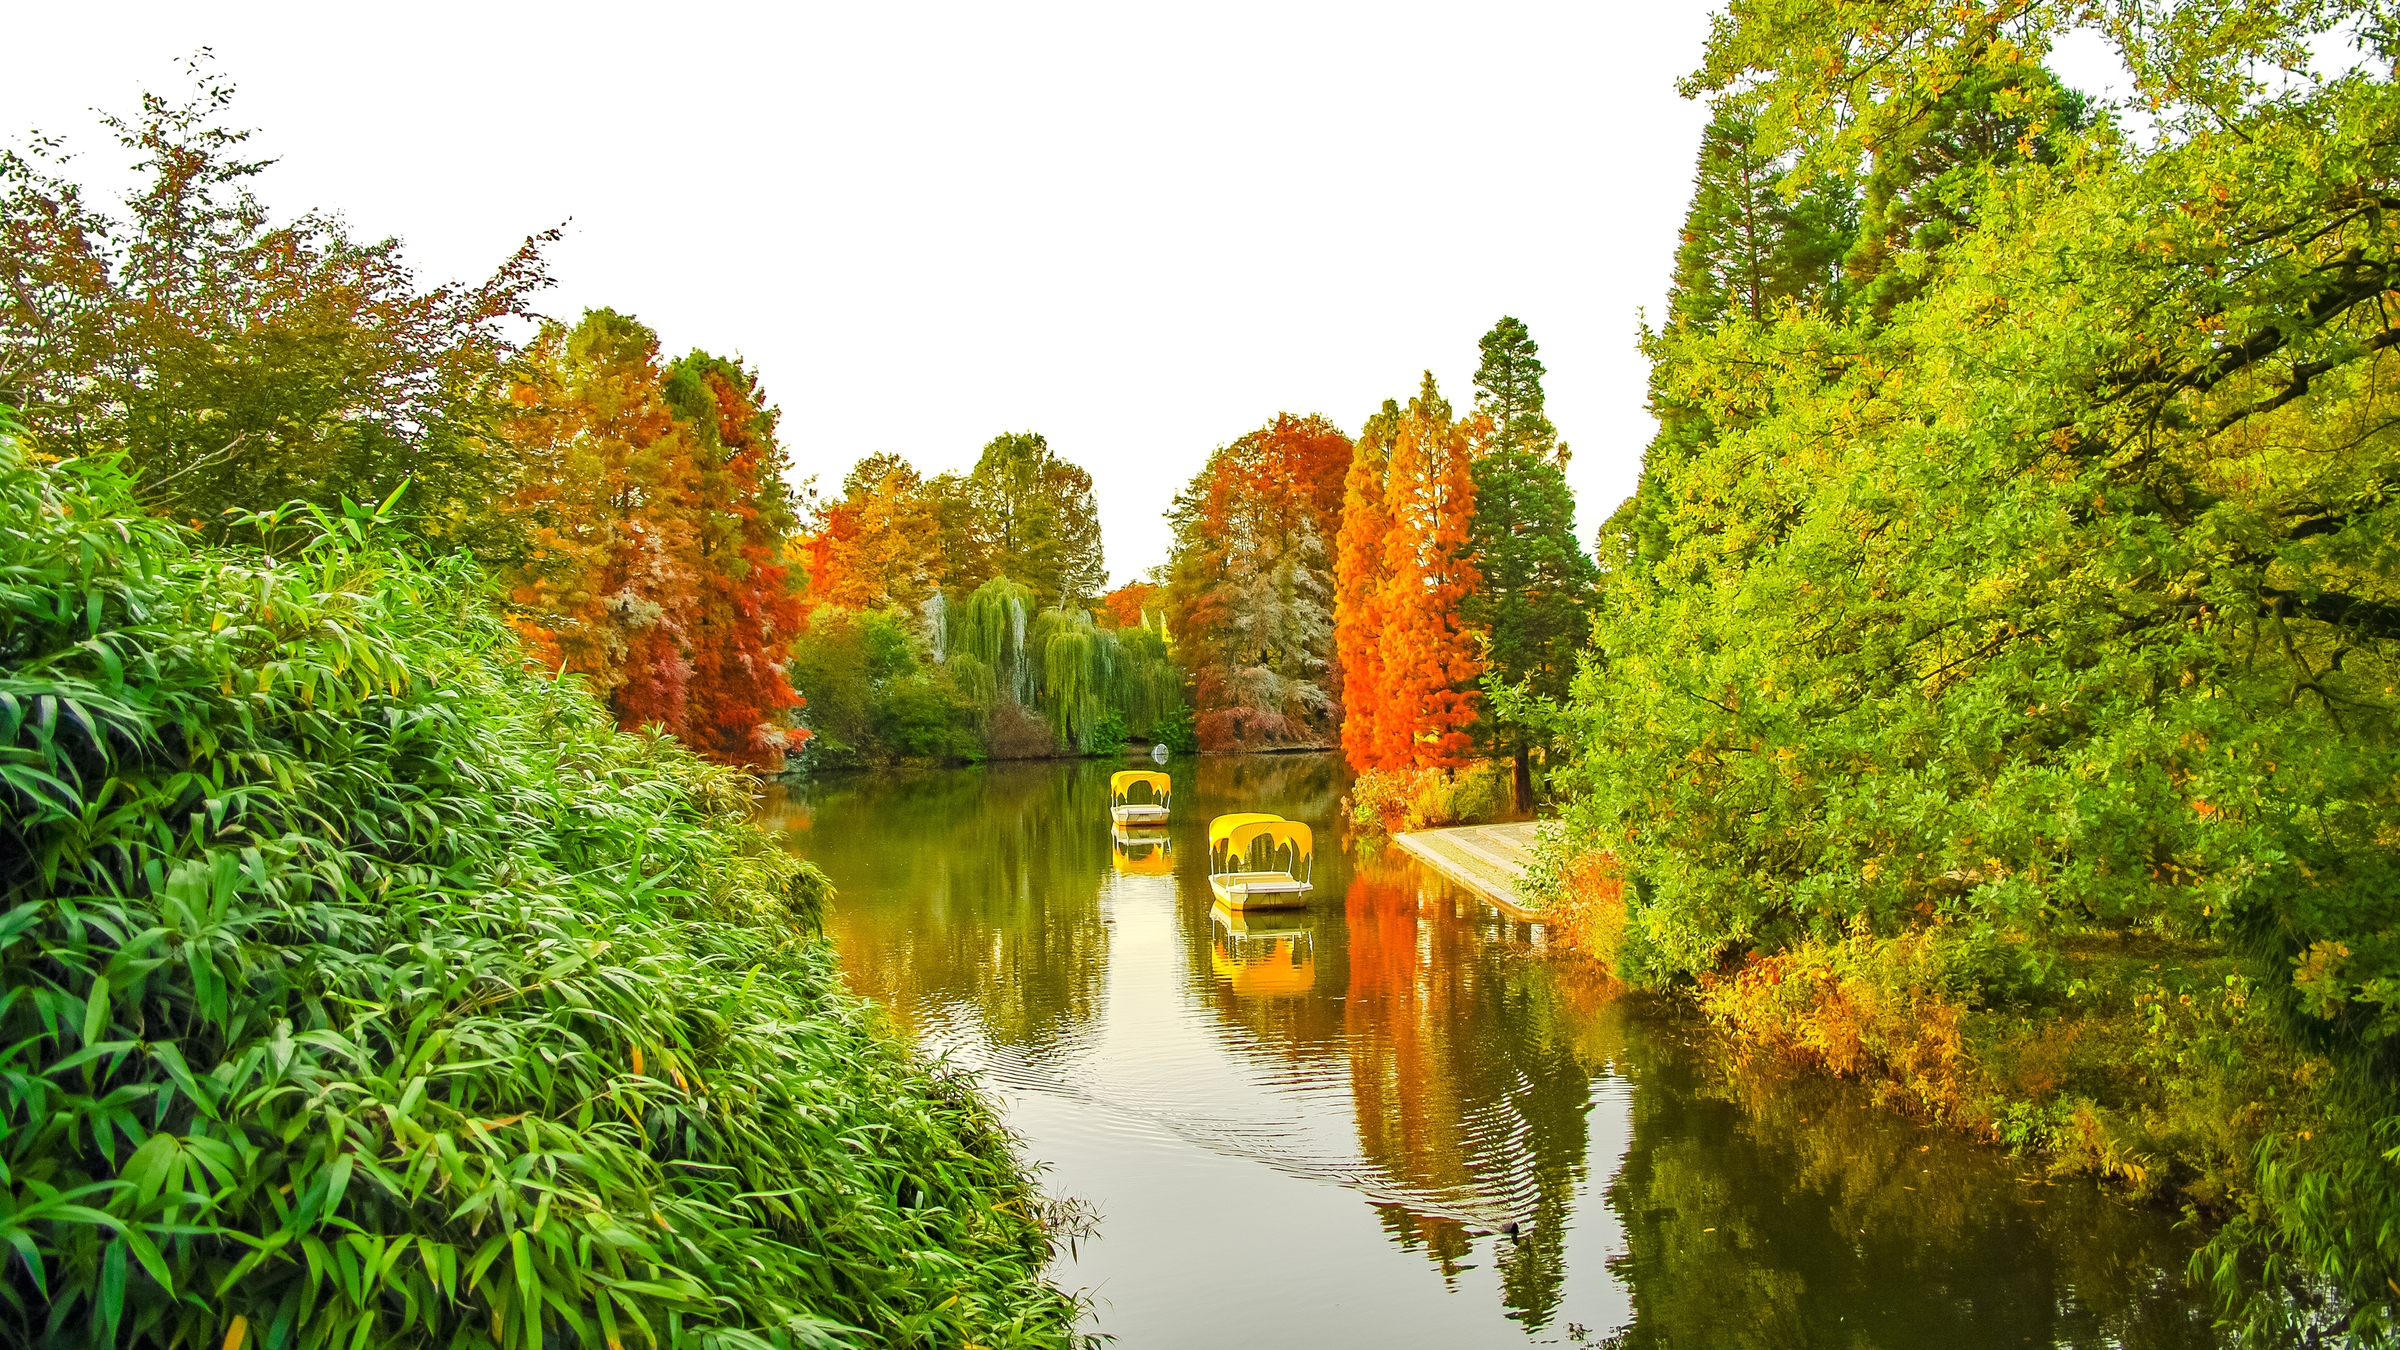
[1486,859]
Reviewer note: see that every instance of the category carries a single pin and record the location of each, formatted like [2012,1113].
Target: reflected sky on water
[1315,1128]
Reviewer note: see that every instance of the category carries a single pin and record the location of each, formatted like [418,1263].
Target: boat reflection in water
[1263,953]
[1139,852]
[1436,1132]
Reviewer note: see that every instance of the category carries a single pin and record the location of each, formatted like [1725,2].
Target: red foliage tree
[654,512]
[1250,587]
[1129,605]
[746,613]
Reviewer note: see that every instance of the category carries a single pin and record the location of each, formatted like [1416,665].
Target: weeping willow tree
[989,628]
[1092,685]
[1077,660]
[1145,682]
[975,679]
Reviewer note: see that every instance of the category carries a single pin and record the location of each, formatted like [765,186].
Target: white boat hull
[1258,890]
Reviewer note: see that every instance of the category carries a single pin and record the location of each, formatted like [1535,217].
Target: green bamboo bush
[363,988]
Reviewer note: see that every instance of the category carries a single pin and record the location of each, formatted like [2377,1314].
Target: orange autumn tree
[1359,588]
[1250,585]
[1129,605]
[1411,655]
[881,545]
[653,535]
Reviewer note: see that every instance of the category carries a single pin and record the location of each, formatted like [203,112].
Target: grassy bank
[364,988]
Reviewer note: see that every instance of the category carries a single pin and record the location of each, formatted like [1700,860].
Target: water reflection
[1400,1121]
[1263,953]
[1141,852]
[982,886]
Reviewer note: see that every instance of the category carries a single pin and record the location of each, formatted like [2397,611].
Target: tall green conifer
[1508,390]
[1748,246]
[1533,603]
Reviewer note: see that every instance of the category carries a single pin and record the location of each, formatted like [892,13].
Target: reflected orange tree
[1470,1082]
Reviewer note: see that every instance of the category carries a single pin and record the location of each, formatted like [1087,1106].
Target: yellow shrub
[1588,908]
[1425,799]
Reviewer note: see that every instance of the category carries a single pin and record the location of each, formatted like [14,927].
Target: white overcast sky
[1139,230]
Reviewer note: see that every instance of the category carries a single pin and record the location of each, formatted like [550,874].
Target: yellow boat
[1123,810]
[1141,853]
[1261,956]
[1232,842]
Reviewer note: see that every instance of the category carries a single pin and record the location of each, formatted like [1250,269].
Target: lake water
[1317,1131]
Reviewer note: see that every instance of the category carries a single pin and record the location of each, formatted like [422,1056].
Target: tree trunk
[1524,778]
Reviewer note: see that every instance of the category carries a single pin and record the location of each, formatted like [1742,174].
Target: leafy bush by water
[363,988]
[1422,799]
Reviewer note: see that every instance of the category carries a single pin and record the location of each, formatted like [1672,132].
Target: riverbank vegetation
[635,509]
[960,618]
[1992,676]
[368,985]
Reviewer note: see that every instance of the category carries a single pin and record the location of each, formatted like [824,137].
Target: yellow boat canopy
[1281,834]
[1158,783]
[1220,829]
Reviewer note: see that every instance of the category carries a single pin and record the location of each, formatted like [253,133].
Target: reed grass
[364,988]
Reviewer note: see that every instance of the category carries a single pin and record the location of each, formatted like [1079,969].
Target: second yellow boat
[1244,853]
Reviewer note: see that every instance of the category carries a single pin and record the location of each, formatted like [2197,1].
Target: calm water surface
[1314,1133]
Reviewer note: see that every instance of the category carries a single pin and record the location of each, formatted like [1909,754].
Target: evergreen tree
[1533,605]
[1508,390]
[1748,246]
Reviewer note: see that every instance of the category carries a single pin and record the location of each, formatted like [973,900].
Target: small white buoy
[1158,753]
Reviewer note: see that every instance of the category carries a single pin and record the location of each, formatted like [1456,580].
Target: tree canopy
[238,362]
[1033,516]
[2034,578]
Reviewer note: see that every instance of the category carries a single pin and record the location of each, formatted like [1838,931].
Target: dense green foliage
[2039,578]
[989,676]
[874,694]
[240,363]
[1532,605]
[1032,516]
[363,987]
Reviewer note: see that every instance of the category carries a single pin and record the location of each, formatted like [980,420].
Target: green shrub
[918,716]
[875,694]
[365,988]
[1109,735]
[1176,730]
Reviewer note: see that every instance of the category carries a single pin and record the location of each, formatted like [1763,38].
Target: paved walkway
[1486,859]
